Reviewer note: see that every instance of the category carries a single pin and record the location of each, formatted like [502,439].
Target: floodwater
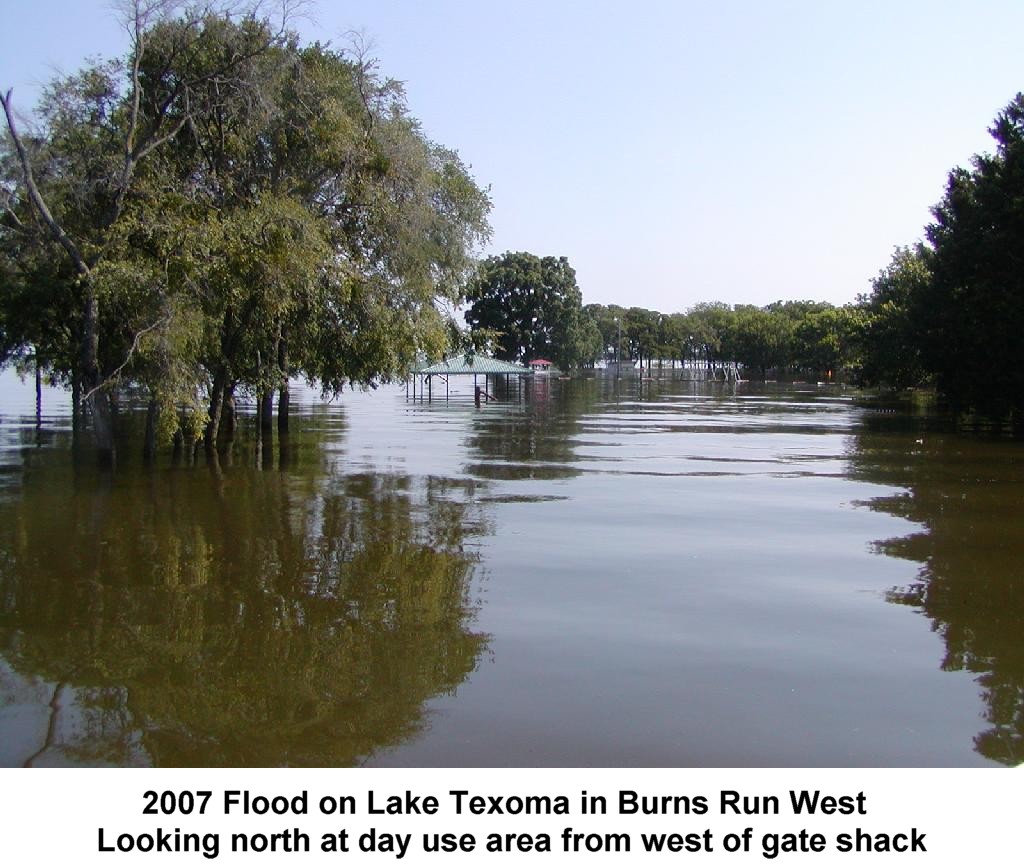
[608,573]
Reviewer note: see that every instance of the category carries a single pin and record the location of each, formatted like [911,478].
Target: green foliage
[709,327]
[972,309]
[826,341]
[281,214]
[760,338]
[591,341]
[608,320]
[890,327]
[536,306]
[952,313]
[641,328]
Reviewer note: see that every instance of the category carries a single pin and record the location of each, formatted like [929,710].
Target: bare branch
[360,47]
[289,11]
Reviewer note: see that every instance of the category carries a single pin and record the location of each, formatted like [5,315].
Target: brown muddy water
[607,573]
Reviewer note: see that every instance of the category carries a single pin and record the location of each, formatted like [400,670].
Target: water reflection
[967,496]
[178,617]
[535,439]
[677,574]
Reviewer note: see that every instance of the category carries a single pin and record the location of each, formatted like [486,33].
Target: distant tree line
[523,306]
[787,338]
[223,210]
[946,313]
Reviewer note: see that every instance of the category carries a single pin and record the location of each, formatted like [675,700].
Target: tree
[247,209]
[609,321]
[972,308]
[826,340]
[760,338]
[101,126]
[536,305]
[681,337]
[890,328]
[591,343]
[641,331]
[710,326]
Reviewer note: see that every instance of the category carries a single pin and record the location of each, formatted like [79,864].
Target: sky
[675,152]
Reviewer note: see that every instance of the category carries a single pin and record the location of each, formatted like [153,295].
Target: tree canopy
[951,310]
[225,209]
[972,308]
[534,305]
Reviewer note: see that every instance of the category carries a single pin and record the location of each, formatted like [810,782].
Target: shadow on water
[967,496]
[176,616]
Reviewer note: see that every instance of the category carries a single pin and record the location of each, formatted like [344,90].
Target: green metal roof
[472,364]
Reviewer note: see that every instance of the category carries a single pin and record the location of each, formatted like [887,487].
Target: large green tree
[972,308]
[228,209]
[760,339]
[535,304]
[890,321]
[75,181]
[826,341]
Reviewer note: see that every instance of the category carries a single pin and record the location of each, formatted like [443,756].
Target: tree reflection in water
[180,618]
[966,493]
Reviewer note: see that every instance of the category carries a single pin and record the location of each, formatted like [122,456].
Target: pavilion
[467,364]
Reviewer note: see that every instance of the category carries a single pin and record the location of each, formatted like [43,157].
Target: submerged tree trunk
[98,399]
[266,413]
[284,399]
[149,441]
[39,392]
[177,447]
[76,401]
[228,417]
[266,426]
[76,411]
[220,379]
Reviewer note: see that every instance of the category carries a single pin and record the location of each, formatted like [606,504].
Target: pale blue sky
[676,152]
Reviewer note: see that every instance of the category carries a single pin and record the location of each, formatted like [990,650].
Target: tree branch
[36,197]
[131,351]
